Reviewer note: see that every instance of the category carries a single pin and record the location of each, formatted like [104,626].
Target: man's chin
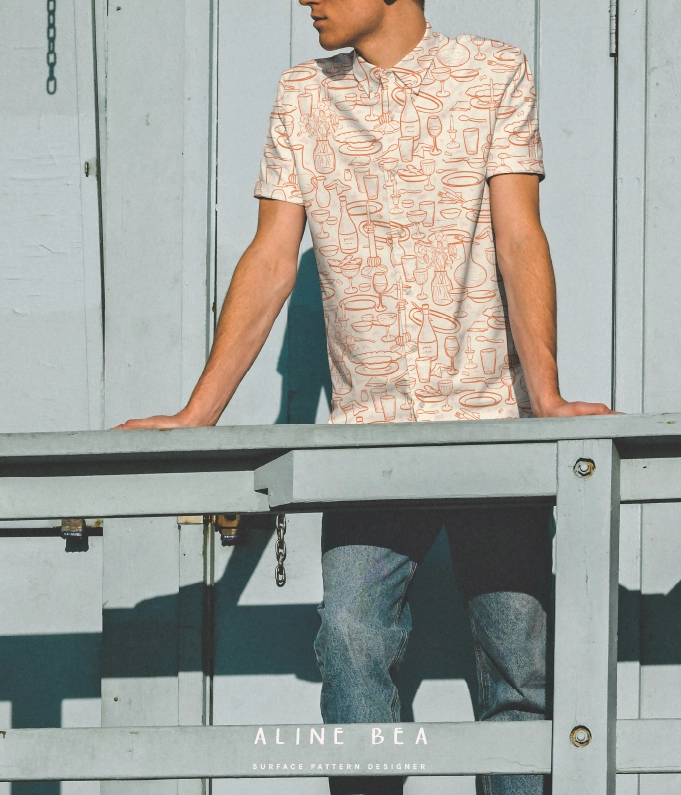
[329,42]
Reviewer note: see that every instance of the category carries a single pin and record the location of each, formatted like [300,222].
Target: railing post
[587,546]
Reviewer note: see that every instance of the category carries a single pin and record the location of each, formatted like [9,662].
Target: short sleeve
[516,144]
[276,179]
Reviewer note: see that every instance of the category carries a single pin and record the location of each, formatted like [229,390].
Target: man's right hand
[164,422]
[262,281]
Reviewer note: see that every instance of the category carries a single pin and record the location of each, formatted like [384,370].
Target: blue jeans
[502,563]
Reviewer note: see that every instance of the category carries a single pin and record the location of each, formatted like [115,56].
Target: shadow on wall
[303,362]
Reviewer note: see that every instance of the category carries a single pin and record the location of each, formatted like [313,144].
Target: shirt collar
[406,71]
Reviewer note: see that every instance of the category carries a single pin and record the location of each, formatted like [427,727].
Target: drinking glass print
[452,349]
[488,357]
[423,365]
[417,217]
[426,63]
[406,149]
[360,173]
[386,319]
[350,271]
[388,406]
[404,387]
[305,105]
[421,276]
[441,73]
[459,297]
[429,209]
[491,254]
[434,129]
[409,264]
[273,174]
[376,395]
[380,282]
[321,216]
[446,389]
[507,375]
[387,166]
[428,168]
[371,189]
[478,41]
[371,99]
[471,140]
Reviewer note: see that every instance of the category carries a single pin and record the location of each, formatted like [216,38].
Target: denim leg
[502,560]
[368,561]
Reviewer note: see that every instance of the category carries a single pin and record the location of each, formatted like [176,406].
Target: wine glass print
[372,98]
[380,282]
[404,387]
[417,217]
[446,389]
[428,168]
[426,63]
[507,376]
[452,348]
[491,254]
[434,129]
[350,270]
[321,216]
[478,41]
[387,166]
[421,276]
[386,319]
[441,73]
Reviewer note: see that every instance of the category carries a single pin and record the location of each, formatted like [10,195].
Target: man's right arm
[262,281]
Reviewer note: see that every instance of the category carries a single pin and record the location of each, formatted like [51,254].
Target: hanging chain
[51,52]
[280,549]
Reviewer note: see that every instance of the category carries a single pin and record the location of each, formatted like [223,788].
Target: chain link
[280,549]
[51,52]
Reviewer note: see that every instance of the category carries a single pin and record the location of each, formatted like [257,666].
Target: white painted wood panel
[50,291]
[576,87]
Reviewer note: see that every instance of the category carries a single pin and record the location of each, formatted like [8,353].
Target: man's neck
[401,30]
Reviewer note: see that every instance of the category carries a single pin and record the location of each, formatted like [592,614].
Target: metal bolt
[580,736]
[584,468]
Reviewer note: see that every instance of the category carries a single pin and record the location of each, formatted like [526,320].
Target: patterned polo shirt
[393,168]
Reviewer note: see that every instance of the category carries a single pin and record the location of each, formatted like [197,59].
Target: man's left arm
[525,264]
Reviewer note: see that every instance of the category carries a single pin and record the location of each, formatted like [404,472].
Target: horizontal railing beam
[430,749]
[452,749]
[270,440]
[311,478]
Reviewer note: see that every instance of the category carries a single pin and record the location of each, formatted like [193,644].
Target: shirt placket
[391,137]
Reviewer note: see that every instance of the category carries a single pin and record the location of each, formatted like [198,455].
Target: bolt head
[584,468]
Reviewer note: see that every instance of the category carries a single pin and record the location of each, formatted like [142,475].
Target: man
[416,159]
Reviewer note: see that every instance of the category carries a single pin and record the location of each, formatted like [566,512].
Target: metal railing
[587,467]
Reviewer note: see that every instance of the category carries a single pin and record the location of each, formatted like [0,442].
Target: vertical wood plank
[157,222]
[631,193]
[587,546]
[254,49]
[577,122]
[629,332]
[661,675]
[140,596]
[190,639]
